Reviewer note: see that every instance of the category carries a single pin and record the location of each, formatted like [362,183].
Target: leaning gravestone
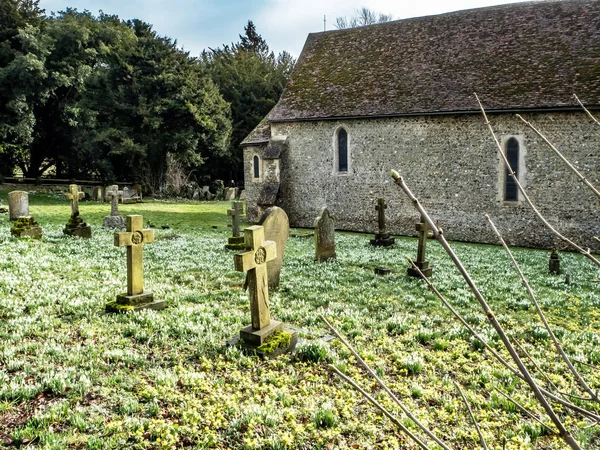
[136,298]
[382,238]
[324,236]
[76,225]
[18,204]
[114,220]
[277,229]
[265,336]
[26,226]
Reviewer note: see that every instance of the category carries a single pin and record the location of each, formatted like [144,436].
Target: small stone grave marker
[423,229]
[236,242]
[277,229]
[382,238]
[114,220]
[76,225]
[26,226]
[325,236]
[18,204]
[554,263]
[136,298]
[265,336]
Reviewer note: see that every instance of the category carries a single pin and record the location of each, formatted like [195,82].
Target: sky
[284,24]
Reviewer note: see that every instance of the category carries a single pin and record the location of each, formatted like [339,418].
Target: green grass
[74,377]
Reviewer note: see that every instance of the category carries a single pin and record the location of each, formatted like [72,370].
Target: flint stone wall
[451,164]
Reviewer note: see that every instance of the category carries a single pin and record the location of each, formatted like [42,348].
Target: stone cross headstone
[324,236]
[114,220]
[18,204]
[134,239]
[74,195]
[236,242]
[254,262]
[76,226]
[423,229]
[277,229]
[109,190]
[382,238]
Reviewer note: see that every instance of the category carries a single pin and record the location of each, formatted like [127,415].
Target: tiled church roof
[522,56]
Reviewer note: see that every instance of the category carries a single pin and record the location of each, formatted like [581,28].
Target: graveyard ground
[72,376]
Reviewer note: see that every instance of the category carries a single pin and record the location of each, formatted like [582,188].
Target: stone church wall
[452,165]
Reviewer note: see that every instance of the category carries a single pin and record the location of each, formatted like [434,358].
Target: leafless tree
[362,17]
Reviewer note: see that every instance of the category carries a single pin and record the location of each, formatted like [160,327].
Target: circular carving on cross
[260,256]
[137,237]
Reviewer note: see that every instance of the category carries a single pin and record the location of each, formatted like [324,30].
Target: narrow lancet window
[342,150]
[511,191]
[256,167]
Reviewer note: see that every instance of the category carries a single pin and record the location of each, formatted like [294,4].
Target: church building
[400,95]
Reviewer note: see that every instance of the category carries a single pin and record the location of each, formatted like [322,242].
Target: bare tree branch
[496,355]
[379,406]
[383,385]
[557,345]
[526,197]
[522,408]
[561,156]
[586,110]
[564,433]
[483,444]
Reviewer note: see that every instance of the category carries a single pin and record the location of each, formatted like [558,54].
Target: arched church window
[342,144]
[256,166]
[511,191]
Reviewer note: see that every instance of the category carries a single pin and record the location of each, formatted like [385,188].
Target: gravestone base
[127,303]
[281,340]
[77,227]
[382,271]
[114,222]
[235,243]
[26,226]
[383,240]
[257,337]
[425,268]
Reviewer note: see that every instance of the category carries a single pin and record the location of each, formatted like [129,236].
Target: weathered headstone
[324,236]
[423,229]
[277,229]
[114,220]
[18,204]
[554,263]
[97,194]
[130,195]
[264,335]
[242,195]
[26,226]
[76,225]
[229,194]
[136,298]
[236,242]
[382,238]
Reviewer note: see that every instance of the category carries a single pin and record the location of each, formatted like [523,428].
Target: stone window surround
[334,147]
[260,168]
[502,170]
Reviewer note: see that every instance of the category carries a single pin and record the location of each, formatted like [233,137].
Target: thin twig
[536,365]
[562,157]
[379,406]
[522,408]
[585,364]
[526,197]
[538,308]
[586,110]
[483,444]
[564,433]
[363,363]
[496,355]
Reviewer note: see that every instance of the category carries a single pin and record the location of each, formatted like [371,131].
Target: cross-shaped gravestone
[254,262]
[382,238]
[423,229]
[74,195]
[114,201]
[134,239]
[236,242]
